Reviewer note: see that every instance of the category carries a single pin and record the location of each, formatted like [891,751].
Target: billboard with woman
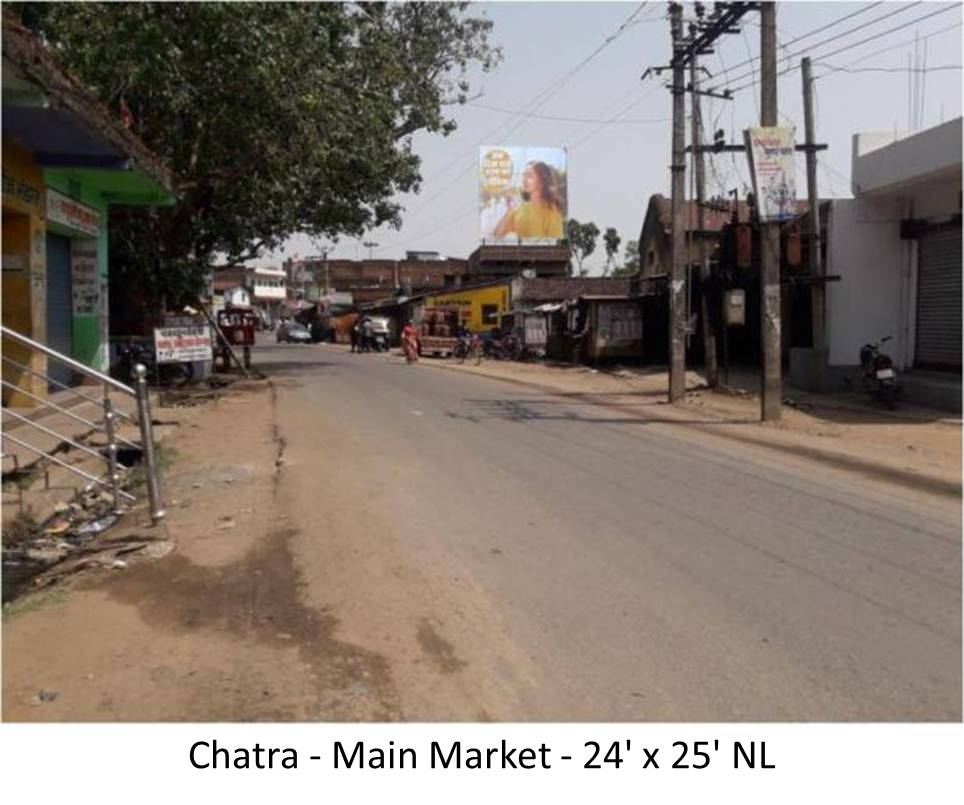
[522,194]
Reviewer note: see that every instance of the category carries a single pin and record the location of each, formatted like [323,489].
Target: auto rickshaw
[238,325]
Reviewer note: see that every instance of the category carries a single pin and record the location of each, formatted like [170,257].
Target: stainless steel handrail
[63,411]
[66,466]
[141,394]
[75,365]
[51,432]
[64,387]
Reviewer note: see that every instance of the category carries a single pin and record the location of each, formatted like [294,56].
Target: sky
[557,87]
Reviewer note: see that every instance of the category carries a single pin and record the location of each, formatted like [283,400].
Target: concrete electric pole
[770,343]
[677,279]
[709,331]
[818,289]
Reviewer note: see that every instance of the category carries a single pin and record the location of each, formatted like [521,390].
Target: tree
[582,241]
[631,260]
[611,241]
[274,118]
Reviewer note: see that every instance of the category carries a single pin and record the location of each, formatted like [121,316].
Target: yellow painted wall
[24,275]
[470,302]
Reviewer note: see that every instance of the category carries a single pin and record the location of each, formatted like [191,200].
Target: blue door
[60,316]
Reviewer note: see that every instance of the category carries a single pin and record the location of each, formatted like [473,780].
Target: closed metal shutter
[939,300]
[60,314]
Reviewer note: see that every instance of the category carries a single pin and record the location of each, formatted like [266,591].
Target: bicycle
[468,348]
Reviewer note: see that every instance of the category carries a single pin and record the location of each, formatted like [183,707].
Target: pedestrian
[410,342]
[367,334]
[355,335]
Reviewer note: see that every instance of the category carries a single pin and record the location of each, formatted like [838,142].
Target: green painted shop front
[78,204]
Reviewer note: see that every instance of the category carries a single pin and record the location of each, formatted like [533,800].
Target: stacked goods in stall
[438,330]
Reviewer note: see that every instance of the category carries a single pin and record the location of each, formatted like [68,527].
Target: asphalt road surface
[511,554]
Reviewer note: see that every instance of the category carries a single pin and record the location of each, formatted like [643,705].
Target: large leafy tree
[582,241]
[631,264]
[275,118]
[611,241]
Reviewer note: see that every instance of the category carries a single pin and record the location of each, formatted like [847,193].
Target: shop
[65,163]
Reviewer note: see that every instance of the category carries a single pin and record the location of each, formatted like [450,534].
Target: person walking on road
[367,334]
[355,334]
[410,342]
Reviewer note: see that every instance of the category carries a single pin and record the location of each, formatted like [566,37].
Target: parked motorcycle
[171,375]
[878,373]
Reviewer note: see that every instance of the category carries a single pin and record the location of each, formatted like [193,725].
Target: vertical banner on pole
[771,151]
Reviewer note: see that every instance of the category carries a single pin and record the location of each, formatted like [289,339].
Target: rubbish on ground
[96,526]
[47,695]
[57,527]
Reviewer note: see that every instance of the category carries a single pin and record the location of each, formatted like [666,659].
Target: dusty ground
[238,622]
[362,540]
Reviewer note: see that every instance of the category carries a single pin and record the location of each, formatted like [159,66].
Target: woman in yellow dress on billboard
[540,214]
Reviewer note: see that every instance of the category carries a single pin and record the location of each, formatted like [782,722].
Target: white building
[238,296]
[897,249]
[269,285]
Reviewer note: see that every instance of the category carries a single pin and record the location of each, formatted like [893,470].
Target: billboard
[522,195]
[772,165]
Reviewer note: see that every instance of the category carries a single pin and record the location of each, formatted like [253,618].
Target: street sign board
[182,344]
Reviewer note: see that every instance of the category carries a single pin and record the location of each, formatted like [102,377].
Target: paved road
[513,554]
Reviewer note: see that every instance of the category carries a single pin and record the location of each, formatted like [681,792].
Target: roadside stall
[438,328]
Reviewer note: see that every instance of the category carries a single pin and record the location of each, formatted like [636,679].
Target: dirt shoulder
[914,450]
[258,609]
[213,631]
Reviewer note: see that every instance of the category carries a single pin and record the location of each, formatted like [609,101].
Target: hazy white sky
[615,166]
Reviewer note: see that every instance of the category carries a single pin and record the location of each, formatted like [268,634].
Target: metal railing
[106,424]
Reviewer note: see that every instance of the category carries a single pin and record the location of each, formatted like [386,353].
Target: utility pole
[677,284]
[709,331]
[818,289]
[772,382]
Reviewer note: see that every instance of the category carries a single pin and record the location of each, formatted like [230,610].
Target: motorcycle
[170,375]
[878,374]
[380,342]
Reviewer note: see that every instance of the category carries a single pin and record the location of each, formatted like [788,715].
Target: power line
[539,100]
[614,118]
[572,119]
[891,48]
[937,67]
[943,10]
[814,31]
[849,31]
[465,213]
[534,105]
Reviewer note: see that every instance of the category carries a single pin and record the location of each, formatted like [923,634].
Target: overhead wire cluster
[737,77]
[499,132]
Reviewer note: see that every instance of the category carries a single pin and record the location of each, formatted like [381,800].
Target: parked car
[293,333]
